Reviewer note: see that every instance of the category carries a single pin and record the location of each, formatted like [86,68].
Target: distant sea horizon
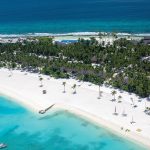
[41,17]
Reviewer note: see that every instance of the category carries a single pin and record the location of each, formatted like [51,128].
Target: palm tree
[119,99]
[100,37]
[105,39]
[100,93]
[10,70]
[132,101]
[115,112]
[114,35]
[74,87]
[64,84]
[41,79]
[113,93]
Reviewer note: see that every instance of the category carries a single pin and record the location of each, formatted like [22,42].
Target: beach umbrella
[132,120]
[115,113]
[124,113]
[145,106]
[115,109]
[119,99]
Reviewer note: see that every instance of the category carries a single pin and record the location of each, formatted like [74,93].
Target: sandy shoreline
[24,89]
[106,37]
[112,127]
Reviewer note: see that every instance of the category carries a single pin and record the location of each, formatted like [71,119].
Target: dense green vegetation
[122,65]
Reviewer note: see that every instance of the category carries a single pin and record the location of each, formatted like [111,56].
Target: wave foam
[67,34]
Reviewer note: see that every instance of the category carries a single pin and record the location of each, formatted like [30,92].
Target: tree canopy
[123,65]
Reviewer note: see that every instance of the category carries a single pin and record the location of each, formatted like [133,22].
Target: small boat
[2,145]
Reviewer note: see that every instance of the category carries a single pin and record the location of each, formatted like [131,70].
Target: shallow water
[23,130]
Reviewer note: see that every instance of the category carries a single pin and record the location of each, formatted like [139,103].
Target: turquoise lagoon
[21,129]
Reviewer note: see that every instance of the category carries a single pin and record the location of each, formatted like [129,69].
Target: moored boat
[2,145]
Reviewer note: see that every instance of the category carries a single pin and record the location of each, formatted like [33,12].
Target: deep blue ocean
[21,129]
[63,16]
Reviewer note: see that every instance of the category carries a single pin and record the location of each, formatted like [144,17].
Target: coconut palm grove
[124,64]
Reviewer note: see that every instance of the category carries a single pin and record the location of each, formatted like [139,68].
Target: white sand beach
[25,89]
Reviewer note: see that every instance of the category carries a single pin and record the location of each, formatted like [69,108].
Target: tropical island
[104,79]
[75,75]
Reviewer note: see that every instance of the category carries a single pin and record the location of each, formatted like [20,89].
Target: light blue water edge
[21,129]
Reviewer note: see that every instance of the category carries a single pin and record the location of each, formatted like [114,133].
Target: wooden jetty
[45,110]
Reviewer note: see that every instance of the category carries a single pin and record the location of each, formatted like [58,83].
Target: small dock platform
[45,110]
